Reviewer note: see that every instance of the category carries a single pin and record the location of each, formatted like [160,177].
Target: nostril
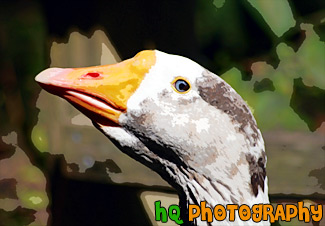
[92,75]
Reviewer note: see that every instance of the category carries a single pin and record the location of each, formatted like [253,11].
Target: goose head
[177,118]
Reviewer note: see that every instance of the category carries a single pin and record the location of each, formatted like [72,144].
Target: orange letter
[257,210]
[219,213]
[313,210]
[192,215]
[303,210]
[206,211]
[232,208]
[279,212]
[268,211]
[291,214]
[244,212]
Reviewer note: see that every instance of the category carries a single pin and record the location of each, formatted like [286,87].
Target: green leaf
[276,13]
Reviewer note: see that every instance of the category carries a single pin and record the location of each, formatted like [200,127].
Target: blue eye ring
[181,85]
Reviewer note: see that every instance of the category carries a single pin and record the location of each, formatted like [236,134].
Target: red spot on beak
[92,75]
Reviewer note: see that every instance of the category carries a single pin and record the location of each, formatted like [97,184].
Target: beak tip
[47,75]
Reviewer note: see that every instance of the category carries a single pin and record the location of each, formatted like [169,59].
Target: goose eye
[181,85]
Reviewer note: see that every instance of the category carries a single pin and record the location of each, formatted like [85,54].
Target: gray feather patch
[218,93]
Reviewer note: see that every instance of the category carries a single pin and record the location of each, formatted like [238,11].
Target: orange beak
[100,92]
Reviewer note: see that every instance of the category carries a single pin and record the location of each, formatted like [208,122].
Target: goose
[177,118]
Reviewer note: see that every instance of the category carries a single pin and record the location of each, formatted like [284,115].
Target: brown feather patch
[257,171]
[219,94]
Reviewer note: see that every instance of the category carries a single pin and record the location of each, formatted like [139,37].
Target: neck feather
[194,188]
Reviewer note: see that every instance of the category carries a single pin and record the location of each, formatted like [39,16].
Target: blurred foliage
[269,57]
[307,63]
[23,189]
[40,139]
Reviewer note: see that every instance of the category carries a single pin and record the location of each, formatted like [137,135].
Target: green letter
[160,211]
[175,216]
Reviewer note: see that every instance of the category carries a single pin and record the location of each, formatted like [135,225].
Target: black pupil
[181,85]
